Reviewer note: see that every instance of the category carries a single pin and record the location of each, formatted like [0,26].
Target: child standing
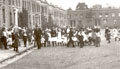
[43,40]
[108,36]
[98,39]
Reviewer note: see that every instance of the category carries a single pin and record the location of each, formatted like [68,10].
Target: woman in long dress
[59,38]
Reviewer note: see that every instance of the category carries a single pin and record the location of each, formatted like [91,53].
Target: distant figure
[59,37]
[37,35]
[90,37]
[53,34]
[43,41]
[107,34]
[0,38]
[4,37]
[70,38]
[98,39]
[25,37]
[108,37]
[115,34]
[46,38]
[80,38]
[15,39]
[94,36]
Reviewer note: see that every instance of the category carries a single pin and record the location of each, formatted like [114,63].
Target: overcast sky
[65,4]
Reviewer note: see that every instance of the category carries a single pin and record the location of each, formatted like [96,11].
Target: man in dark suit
[107,31]
[37,34]
[70,38]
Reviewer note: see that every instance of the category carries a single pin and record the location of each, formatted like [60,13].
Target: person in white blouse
[115,34]
[25,37]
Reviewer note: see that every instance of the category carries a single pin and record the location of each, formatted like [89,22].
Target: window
[69,16]
[3,15]
[16,2]
[99,22]
[13,2]
[115,21]
[14,18]
[119,14]
[75,14]
[71,23]
[9,2]
[23,3]
[81,15]
[10,18]
[19,2]
[74,23]
[105,21]
[96,22]
[100,15]
[80,22]
[113,14]
[106,14]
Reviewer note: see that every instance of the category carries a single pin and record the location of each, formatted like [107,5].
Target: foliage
[48,24]
[23,18]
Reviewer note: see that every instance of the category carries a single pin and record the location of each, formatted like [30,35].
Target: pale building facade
[9,10]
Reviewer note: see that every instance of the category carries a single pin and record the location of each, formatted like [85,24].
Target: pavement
[8,54]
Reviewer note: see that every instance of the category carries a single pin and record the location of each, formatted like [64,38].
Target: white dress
[85,38]
[59,38]
[115,33]
[42,40]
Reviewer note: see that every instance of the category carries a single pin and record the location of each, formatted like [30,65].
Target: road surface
[105,57]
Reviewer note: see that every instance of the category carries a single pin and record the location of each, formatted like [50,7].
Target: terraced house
[38,12]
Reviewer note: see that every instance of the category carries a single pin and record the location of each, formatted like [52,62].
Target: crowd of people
[13,38]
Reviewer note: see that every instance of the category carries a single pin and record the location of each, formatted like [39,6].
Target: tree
[44,21]
[23,18]
[48,24]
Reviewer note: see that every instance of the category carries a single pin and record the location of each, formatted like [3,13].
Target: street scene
[50,34]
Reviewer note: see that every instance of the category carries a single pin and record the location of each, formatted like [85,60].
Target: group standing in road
[11,38]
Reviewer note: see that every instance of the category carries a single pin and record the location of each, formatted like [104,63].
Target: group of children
[79,38]
[64,37]
[112,33]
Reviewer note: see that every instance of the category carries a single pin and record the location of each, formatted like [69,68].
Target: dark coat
[15,38]
[80,38]
[107,31]
[46,36]
[53,33]
[70,34]
[37,34]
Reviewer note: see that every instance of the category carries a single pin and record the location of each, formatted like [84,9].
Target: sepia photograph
[59,34]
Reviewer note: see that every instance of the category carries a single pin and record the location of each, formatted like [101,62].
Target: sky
[65,4]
